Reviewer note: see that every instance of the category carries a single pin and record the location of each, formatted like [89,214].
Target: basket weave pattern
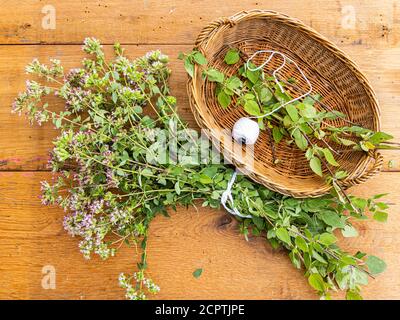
[333,75]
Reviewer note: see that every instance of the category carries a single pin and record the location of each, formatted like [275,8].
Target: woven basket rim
[206,36]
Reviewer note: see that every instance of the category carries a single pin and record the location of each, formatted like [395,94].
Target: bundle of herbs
[115,168]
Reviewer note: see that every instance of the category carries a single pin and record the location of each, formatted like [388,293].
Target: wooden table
[31,235]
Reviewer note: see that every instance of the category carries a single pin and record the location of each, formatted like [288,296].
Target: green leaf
[301,244]
[204,179]
[259,222]
[375,265]
[189,67]
[346,142]
[349,232]
[199,58]
[327,239]
[359,203]
[197,273]
[295,259]
[315,280]
[215,76]
[175,171]
[307,111]
[318,257]
[253,76]
[233,83]
[292,112]
[283,235]
[360,255]
[224,99]
[265,95]
[58,122]
[332,219]
[181,55]
[114,97]
[378,196]
[300,140]
[329,157]
[382,205]
[305,128]
[277,134]
[211,171]
[379,137]
[252,108]
[353,295]
[177,188]
[380,216]
[232,56]
[315,165]
[137,109]
[341,174]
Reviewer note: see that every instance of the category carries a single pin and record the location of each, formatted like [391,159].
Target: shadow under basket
[333,75]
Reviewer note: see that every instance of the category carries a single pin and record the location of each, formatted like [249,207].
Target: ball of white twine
[246,131]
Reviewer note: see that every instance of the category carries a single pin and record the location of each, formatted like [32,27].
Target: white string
[272,53]
[227,195]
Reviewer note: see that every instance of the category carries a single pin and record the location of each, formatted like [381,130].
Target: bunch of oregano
[115,168]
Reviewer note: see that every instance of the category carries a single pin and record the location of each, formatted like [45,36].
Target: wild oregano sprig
[116,168]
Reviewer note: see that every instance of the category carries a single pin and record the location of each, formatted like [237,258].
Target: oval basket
[332,74]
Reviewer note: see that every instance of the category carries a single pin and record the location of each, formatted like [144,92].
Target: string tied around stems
[227,196]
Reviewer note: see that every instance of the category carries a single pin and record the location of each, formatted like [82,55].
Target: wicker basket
[333,75]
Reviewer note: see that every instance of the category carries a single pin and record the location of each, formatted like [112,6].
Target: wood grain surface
[32,235]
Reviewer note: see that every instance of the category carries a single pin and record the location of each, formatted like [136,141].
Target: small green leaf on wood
[380,216]
[375,265]
[197,273]
[349,232]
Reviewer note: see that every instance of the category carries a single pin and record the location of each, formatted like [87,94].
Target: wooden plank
[32,237]
[150,21]
[23,147]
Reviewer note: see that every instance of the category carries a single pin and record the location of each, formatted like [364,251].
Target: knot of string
[227,197]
